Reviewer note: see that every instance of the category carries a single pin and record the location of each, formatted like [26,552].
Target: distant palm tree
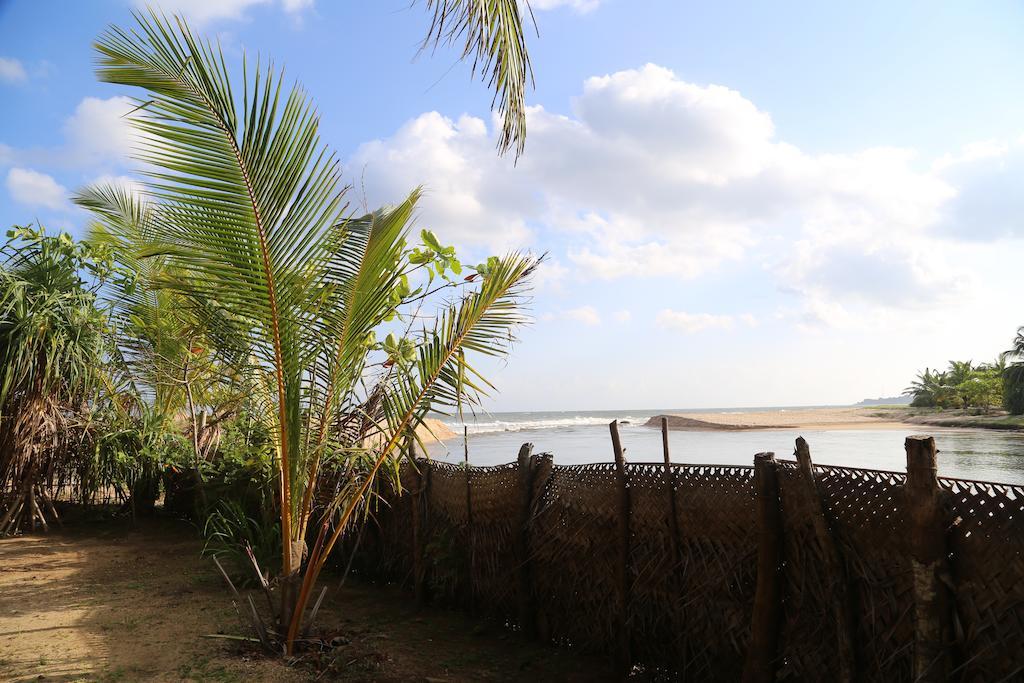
[246,211]
[1013,376]
[927,388]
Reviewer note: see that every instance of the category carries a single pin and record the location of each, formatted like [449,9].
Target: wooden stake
[760,664]
[842,604]
[33,509]
[926,518]
[623,654]
[50,506]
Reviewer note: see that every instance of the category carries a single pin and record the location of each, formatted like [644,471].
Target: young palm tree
[245,211]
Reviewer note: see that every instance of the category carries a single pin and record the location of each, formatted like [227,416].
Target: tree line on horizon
[967,385]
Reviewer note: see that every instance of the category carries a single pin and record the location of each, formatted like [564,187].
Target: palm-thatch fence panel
[782,571]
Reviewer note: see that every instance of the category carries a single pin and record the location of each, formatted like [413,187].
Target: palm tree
[928,389]
[1013,375]
[161,349]
[246,212]
[51,350]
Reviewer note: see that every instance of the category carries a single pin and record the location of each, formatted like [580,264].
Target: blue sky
[744,203]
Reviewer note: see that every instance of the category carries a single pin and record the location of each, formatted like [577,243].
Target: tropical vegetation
[231,335]
[966,385]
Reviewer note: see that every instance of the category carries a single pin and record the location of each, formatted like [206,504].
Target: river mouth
[964,453]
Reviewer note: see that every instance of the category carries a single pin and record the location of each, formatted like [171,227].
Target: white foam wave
[490,427]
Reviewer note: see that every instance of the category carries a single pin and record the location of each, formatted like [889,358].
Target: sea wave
[492,426]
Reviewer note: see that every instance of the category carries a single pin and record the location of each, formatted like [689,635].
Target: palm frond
[493,38]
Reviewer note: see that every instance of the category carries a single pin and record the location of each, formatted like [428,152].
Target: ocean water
[583,437]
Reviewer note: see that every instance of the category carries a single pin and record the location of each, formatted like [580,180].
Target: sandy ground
[802,418]
[113,602]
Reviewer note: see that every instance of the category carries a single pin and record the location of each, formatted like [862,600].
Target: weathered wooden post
[470,584]
[765,619]
[521,543]
[842,608]
[928,556]
[623,654]
[670,489]
[541,467]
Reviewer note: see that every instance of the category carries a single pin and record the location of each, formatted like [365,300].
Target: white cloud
[472,197]
[12,71]
[622,316]
[586,315]
[989,200]
[201,12]
[36,189]
[99,131]
[581,6]
[691,323]
[550,275]
[653,176]
[98,135]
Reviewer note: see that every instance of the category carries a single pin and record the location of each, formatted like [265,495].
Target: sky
[742,203]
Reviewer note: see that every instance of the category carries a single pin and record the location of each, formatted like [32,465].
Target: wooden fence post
[928,557]
[470,584]
[521,543]
[765,620]
[541,466]
[842,607]
[670,488]
[623,655]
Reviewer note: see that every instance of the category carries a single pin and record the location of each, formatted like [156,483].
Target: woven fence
[783,570]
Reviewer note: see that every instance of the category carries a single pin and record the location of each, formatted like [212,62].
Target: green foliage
[52,348]
[1013,389]
[1013,376]
[962,385]
[243,232]
[492,33]
[51,332]
[230,530]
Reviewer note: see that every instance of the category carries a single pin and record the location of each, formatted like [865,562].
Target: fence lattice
[552,567]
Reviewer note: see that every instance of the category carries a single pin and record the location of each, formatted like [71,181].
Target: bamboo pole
[760,663]
[932,604]
[842,604]
[623,654]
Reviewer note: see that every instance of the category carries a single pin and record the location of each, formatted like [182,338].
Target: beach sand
[797,418]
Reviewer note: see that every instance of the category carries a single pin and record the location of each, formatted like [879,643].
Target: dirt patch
[116,602]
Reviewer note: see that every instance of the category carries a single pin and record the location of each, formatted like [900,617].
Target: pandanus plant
[51,347]
[244,207]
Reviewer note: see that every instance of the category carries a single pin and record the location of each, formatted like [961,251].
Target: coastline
[804,418]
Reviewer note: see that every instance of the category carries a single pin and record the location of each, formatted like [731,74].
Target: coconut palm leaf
[493,38]
[247,199]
